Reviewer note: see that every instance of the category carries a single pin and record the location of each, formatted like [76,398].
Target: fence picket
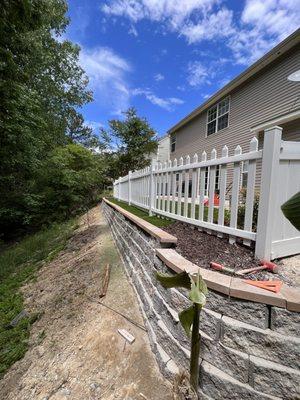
[159,189]
[194,187]
[223,183]
[174,188]
[235,193]
[179,195]
[164,179]
[169,184]
[250,191]
[186,187]
[212,183]
[202,187]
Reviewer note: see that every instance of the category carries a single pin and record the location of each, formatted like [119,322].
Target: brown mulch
[201,248]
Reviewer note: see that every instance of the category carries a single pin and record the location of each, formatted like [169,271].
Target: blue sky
[165,57]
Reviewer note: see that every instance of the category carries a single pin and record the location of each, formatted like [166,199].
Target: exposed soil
[75,350]
[202,248]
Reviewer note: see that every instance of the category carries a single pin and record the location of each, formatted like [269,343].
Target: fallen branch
[106,281]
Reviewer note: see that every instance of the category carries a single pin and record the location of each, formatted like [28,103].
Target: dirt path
[75,350]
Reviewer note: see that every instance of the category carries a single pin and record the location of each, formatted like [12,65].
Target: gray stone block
[255,314]
[263,343]
[217,384]
[274,379]
[170,345]
[285,322]
[234,362]
[210,321]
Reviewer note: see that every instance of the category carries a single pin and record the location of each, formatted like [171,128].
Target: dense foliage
[47,168]
[41,86]
[128,144]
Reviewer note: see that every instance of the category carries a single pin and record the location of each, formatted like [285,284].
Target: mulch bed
[201,248]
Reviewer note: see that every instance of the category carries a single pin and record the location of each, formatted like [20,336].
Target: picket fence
[185,190]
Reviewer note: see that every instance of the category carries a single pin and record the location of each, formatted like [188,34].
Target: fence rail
[207,192]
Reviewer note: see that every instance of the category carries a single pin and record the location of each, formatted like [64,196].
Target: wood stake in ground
[105,281]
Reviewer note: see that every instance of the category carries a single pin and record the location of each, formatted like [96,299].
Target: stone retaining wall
[248,350]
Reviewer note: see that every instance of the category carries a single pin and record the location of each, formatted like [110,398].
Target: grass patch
[165,222]
[159,222]
[18,264]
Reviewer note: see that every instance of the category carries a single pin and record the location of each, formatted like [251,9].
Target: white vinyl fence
[206,193]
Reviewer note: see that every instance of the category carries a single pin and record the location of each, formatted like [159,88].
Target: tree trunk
[195,349]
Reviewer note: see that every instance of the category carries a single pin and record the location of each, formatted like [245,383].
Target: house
[258,98]
[163,150]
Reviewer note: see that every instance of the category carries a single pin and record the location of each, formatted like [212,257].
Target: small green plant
[291,210]
[189,318]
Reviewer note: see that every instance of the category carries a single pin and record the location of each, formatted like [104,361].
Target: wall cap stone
[234,287]
[288,297]
[159,234]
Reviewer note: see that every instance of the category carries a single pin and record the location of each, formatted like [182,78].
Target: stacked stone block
[248,350]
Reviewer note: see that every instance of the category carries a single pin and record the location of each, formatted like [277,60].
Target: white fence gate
[178,190]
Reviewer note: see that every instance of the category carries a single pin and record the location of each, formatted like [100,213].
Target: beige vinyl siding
[265,96]
[291,130]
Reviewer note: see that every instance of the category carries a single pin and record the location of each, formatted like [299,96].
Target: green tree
[70,180]
[41,88]
[129,143]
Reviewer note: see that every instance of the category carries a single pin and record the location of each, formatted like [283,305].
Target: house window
[245,173]
[173,143]
[218,117]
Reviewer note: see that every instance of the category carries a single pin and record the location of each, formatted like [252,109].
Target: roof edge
[265,60]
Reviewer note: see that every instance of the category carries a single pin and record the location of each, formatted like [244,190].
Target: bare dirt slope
[75,351]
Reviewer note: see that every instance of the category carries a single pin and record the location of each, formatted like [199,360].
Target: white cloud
[209,27]
[248,35]
[132,31]
[276,17]
[159,77]
[262,26]
[198,74]
[174,12]
[165,103]
[107,72]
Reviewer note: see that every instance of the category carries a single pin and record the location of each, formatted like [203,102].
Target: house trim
[282,119]
[263,62]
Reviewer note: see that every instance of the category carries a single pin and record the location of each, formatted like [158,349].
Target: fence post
[119,189]
[269,175]
[151,189]
[129,187]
